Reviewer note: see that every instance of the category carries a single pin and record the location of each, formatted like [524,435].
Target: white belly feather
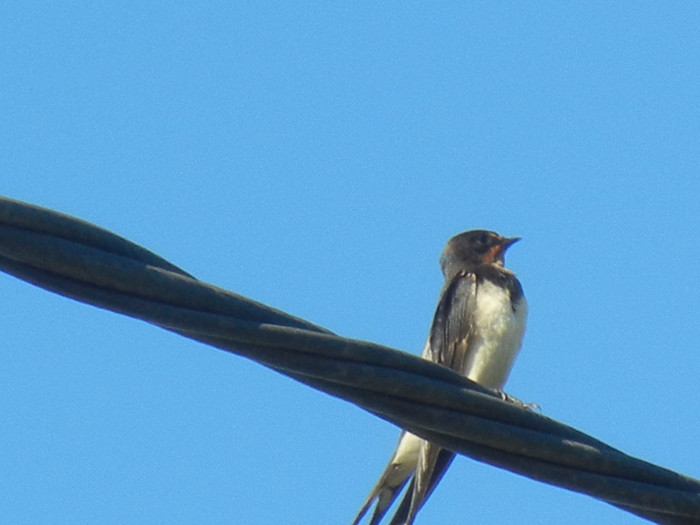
[498,334]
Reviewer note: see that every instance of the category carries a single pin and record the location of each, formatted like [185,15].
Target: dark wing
[452,324]
[449,343]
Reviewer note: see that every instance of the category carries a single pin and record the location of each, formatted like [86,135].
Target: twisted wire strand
[89,264]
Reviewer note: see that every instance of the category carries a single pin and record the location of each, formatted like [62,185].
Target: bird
[477,330]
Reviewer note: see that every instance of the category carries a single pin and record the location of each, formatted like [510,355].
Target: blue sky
[316,157]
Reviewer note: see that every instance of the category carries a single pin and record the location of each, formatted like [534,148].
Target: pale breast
[497,335]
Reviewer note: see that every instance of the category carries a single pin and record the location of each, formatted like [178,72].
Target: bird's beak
[496,256]
[508,242]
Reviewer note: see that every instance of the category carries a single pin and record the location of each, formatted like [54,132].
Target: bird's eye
[483,238]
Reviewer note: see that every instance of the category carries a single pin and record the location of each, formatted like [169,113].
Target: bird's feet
[534,407]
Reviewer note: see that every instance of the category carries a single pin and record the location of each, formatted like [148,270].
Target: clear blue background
[316,157]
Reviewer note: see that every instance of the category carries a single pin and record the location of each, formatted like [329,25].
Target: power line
[81,261]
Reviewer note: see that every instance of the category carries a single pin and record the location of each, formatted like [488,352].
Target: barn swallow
[477,331]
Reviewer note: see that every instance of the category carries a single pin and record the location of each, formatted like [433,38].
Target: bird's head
[475,248]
